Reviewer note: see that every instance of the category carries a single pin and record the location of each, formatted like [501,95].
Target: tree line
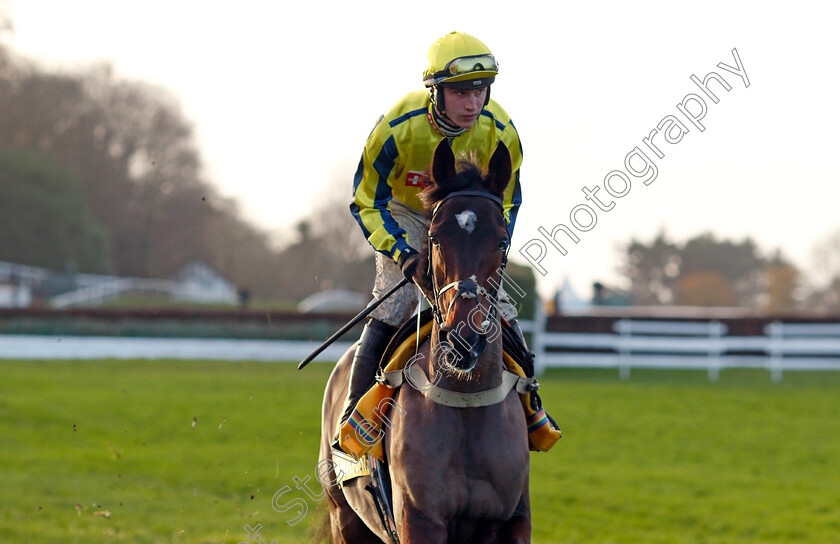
[707,270]
[103,175]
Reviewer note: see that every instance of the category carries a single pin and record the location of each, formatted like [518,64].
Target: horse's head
[467,246]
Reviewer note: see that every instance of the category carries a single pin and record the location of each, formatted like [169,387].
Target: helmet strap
[437,99]
[443,120]
[446,125]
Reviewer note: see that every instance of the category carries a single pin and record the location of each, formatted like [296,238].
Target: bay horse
[459,474]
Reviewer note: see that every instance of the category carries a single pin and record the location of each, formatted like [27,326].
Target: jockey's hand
[409,262]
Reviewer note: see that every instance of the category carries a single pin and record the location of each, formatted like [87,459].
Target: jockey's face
[464,106]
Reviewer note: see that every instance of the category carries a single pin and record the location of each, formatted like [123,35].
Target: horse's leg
[418,528]
[346,526]
[517,530]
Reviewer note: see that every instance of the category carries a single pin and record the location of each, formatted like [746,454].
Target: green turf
[107,452]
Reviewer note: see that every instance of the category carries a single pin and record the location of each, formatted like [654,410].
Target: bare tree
[143,180]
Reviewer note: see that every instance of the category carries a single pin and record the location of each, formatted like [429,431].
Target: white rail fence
[110,289]
[107,347]
[705,345]
[99,291]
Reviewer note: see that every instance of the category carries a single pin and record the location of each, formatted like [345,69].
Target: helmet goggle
[465,65]
[462,66]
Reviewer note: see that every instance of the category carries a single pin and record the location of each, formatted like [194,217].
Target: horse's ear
[443,163]
[499,170]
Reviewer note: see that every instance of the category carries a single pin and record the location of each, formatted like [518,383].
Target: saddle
[362,433]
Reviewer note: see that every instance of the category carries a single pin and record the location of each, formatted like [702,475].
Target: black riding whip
[350,324]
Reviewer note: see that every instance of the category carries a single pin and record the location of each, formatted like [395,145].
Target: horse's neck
[486,374]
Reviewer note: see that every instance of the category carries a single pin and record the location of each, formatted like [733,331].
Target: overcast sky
[283,95]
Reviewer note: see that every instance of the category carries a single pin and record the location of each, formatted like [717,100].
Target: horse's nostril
[466,341]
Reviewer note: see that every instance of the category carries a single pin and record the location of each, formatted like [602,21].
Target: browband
[495,199]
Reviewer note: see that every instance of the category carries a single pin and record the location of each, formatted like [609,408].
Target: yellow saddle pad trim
[362,433]
[541,436]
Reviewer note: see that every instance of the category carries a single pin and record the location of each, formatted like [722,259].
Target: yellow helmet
[460,60]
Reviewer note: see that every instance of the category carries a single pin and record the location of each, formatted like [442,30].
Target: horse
[459,474]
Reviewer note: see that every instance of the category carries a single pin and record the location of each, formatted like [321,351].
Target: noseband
[466,288]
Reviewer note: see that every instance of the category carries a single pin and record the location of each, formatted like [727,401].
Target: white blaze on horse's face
[466,220]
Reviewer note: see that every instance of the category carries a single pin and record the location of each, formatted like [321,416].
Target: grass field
[191,452]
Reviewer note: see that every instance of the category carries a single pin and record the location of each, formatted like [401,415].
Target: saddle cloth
[362,433]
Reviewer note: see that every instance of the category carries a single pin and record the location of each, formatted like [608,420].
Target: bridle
[466,288]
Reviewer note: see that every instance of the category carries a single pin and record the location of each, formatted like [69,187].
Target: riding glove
[409,262]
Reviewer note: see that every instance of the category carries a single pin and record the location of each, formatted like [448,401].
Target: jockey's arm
[372,193]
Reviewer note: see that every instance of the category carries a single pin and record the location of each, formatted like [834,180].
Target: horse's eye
[502,245]
[433,239]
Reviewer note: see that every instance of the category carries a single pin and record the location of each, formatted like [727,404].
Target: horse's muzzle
[461,353]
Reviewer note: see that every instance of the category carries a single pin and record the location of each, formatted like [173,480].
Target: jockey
[392,172]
